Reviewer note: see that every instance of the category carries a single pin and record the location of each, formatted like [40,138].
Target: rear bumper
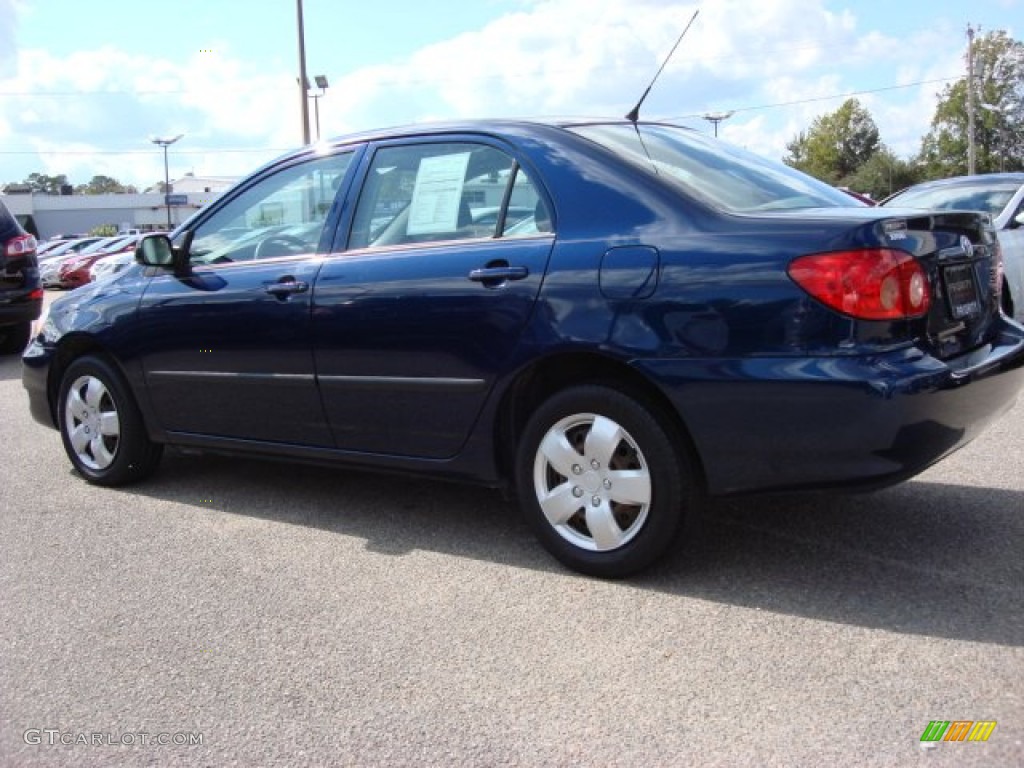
[20,310]
[834,422]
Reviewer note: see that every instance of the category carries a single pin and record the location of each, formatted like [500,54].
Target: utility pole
[971,166]
[303,80]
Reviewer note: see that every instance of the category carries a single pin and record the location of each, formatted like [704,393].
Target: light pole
[717,117]
[971,158]
[303,80]
[321,83]
[165,143]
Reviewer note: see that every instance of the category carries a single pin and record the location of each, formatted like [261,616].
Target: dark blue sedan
[612,319]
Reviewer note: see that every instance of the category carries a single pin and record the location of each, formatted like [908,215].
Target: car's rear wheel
[604,481]
[101,426]
[14,338]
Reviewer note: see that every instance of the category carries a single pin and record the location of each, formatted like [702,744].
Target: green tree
[836,144]
[103,185]
[44,184]
[998,113]
[884,173]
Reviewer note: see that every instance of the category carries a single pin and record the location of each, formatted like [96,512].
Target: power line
[813,99]
[239,150]
[755,55]
[141,152]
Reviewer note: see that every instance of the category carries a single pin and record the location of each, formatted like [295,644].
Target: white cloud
[68,107]
[8,26]
[551,58]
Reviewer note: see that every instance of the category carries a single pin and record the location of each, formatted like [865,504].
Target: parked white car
[999,194]
[111,265]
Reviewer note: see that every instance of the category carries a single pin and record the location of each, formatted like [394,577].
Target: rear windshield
[985,196]
[727,177]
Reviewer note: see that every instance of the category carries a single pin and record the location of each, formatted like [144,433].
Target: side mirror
[158,251]
[1018,220]
[155,251]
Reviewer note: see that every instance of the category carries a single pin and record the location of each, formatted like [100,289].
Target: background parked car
[50,263]
[113,263]
[21,293]
[75,270]
[999,194]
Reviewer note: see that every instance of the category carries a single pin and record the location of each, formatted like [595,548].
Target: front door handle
[286,286]
[496,275]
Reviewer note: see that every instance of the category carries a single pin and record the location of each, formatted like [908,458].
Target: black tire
[591,525]
[14,338]
[101,427]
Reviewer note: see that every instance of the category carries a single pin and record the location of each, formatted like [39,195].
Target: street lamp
[717,117]
[165,143]
[321,83]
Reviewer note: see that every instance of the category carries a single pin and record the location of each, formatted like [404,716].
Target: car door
[413,323]
[1011,240]
[228,351]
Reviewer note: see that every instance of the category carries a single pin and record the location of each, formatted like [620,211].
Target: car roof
[492,126]
[978,178]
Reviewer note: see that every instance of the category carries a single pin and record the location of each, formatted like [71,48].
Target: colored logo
[958,730]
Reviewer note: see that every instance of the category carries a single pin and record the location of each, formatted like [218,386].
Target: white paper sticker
[437,194]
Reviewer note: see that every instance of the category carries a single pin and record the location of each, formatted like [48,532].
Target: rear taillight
[868,284]
[20,246]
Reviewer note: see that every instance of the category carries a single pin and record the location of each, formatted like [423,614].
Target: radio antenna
[634,114]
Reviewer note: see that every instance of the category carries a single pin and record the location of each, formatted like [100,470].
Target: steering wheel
[269,247]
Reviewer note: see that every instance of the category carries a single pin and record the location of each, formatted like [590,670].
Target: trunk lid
[960,254]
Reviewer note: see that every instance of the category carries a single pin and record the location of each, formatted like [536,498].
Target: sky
[84,87]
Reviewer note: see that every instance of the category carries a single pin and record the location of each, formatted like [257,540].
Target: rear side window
[724,176]
[438,192]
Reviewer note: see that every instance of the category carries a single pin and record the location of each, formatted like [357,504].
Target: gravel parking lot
[303,616]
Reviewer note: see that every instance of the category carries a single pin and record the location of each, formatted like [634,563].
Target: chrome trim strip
[404,382]
[282,377]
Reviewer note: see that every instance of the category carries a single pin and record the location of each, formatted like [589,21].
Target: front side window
[280,215]
[432,192]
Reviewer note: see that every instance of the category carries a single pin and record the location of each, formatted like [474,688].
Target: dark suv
[21,292]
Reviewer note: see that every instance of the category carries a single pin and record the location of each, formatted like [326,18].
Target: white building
[49,215]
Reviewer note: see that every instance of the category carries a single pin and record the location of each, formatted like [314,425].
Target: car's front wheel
[101,426]
[604,480]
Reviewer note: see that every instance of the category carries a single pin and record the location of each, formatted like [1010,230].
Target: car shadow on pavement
[922,558]
[10,367]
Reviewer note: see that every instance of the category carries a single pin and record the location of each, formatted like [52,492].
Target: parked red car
[75,270]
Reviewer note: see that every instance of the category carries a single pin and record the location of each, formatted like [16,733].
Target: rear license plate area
[961,291]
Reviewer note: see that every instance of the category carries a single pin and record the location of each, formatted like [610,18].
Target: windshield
[983,196]
[725,176]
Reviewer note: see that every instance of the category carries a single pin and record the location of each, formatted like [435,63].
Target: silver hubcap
[592,482]
[92,423]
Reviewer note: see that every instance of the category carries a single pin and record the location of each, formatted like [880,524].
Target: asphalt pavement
[249,613]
